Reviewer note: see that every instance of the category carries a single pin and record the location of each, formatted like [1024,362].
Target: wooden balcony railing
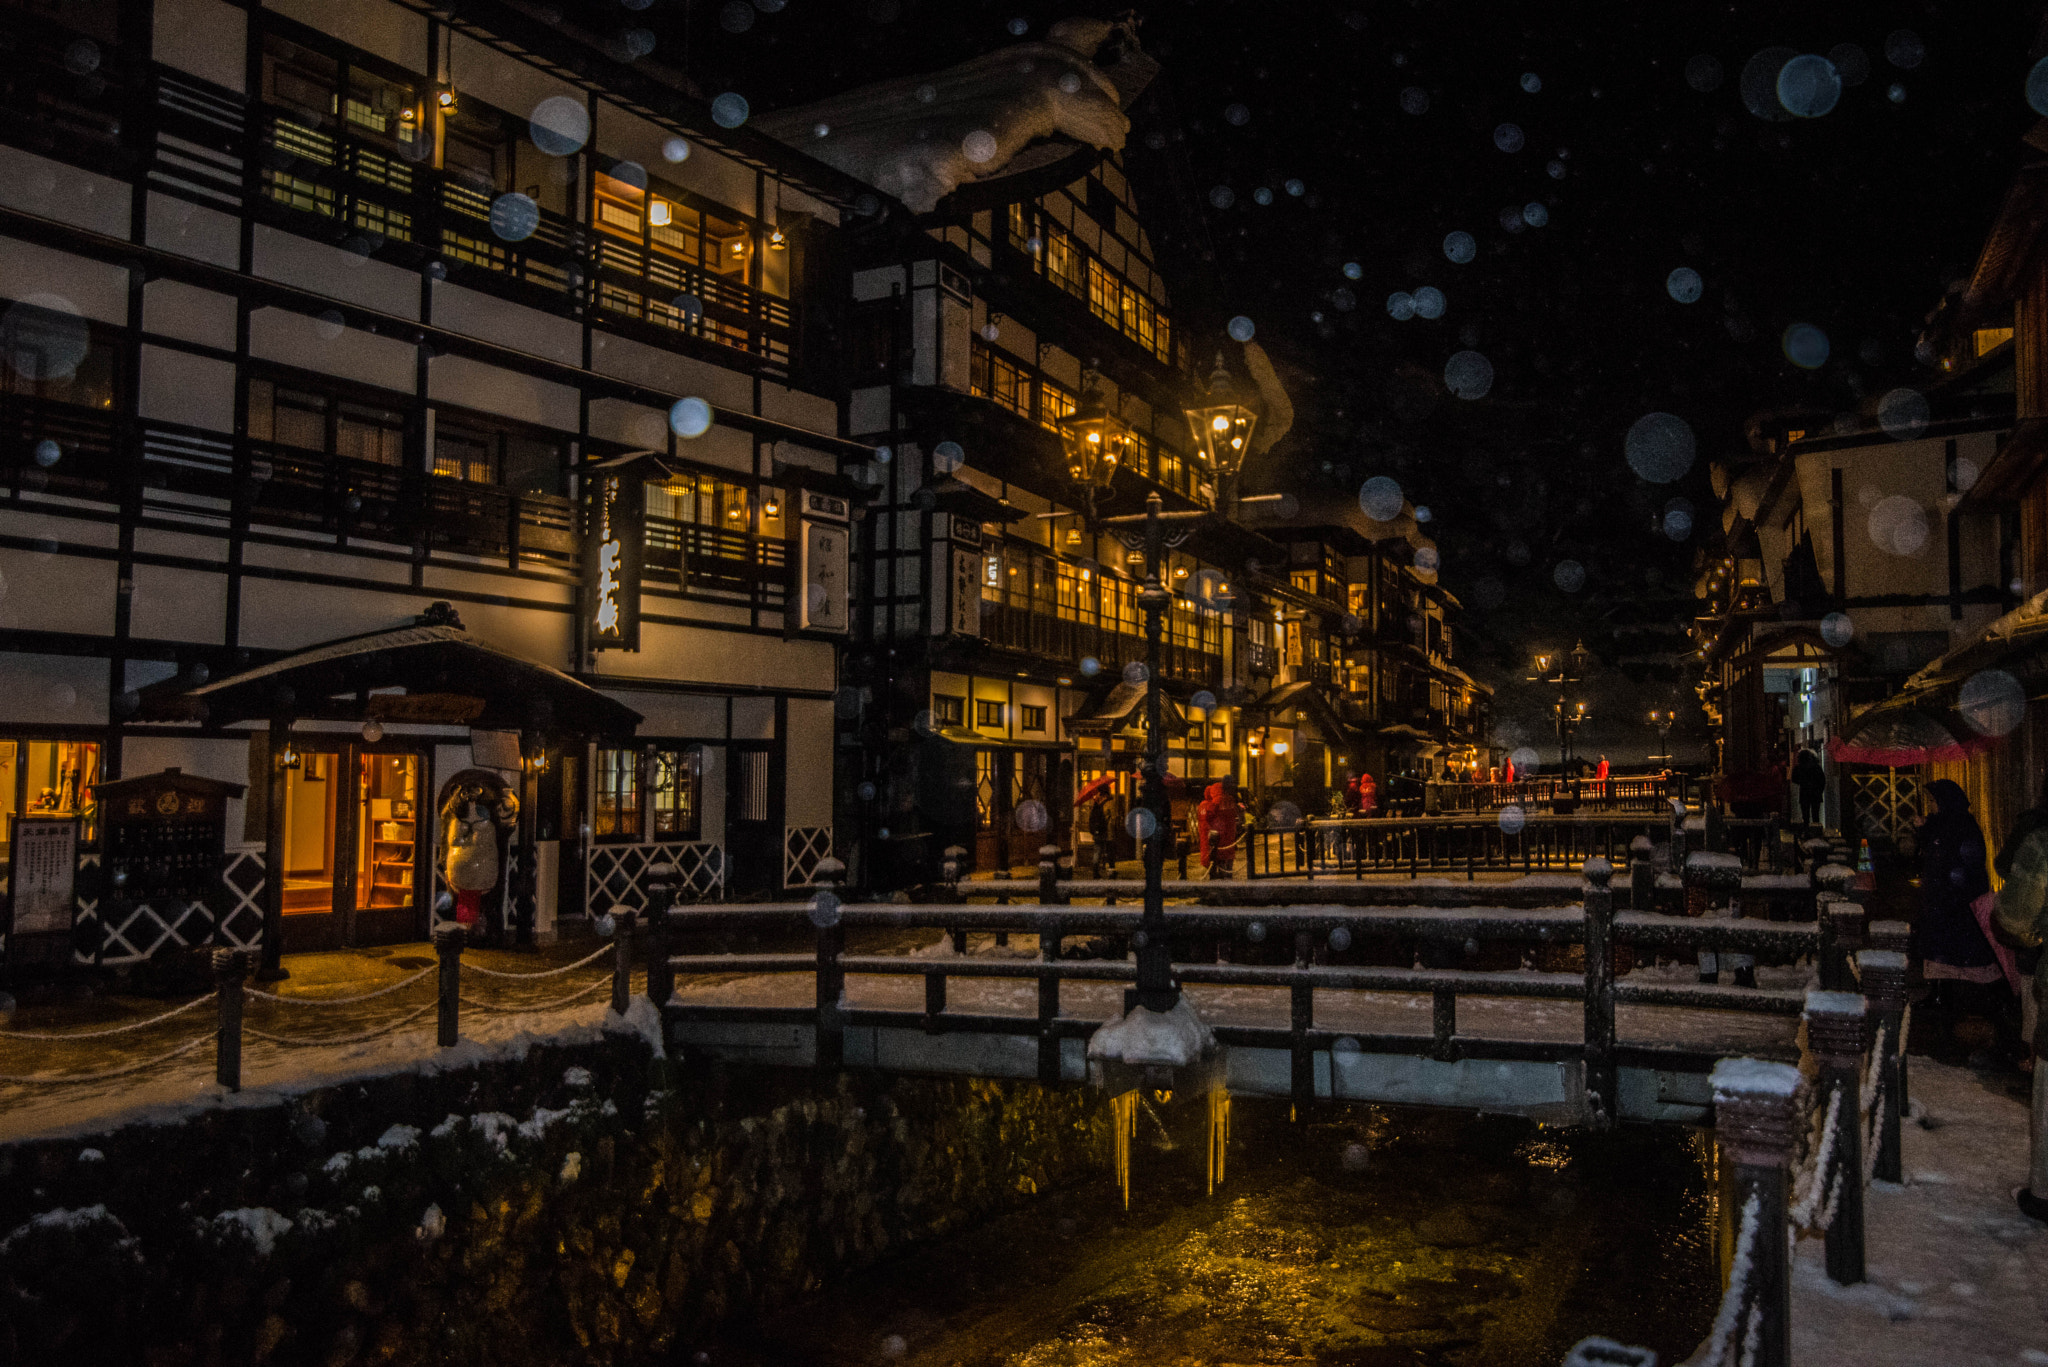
[1069,642]
[715,560]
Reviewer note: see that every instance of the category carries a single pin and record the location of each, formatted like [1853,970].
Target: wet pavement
[72,1091]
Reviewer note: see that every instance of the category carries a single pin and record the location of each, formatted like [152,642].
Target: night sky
[1855,222]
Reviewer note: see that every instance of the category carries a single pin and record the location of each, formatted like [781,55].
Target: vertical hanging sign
[613,546]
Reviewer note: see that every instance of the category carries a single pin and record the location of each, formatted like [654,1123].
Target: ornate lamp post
[1097,444]
[1221,426]
[1571,669]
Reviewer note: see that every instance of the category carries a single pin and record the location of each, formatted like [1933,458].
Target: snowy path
[1958,1277]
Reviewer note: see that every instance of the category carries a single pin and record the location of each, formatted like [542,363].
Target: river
[1367,1237]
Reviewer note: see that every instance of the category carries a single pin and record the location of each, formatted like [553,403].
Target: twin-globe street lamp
[1571,669]
[1097,441]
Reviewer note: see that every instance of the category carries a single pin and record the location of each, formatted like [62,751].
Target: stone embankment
[587,1202]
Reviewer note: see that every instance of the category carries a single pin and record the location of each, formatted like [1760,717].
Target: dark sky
[1854,222]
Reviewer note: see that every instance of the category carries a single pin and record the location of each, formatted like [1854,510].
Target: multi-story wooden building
[320,312]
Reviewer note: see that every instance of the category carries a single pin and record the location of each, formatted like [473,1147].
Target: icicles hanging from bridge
[1123,1119]
[1219,1135]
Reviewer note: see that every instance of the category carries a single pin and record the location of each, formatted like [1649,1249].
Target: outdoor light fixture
[1096,441]
[445,97]
[770,508]
[1279,747]
[1221,425]
[658,213]
[777,242]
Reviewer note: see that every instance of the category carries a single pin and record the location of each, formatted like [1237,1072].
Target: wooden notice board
[45,873]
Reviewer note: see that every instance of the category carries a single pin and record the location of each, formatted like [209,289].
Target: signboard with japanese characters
[45,869]
[613,550]
[824,554]
[965,618]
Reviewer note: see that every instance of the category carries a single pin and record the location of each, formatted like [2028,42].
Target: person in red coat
[1216,829]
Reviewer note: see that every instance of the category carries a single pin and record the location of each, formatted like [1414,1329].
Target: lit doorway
[351,849]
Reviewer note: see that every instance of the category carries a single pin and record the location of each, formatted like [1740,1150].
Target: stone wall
[586,1203]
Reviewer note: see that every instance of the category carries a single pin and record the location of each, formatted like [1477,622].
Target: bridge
[1307,1001]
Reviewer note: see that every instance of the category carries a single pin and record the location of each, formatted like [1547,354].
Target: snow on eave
[980,115]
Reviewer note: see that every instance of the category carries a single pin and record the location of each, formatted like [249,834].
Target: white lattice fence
[802,849]
[617,874]
[147,928]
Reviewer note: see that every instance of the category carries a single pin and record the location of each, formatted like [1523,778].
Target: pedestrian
[1600,778]
[1507,772]
[1811,779]
[1217,823]
[1960,966]
[2023,921]
[1098,831]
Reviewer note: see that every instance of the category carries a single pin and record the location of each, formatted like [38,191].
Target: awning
[1960,704]
[431,672]
[1120,708]
[1307,699]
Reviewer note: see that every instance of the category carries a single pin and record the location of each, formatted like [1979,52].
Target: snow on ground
[271,1074]
[1958,1277]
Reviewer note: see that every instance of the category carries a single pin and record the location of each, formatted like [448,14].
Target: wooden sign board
[43,882]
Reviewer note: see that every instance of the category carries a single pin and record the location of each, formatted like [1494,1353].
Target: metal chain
[117,1030]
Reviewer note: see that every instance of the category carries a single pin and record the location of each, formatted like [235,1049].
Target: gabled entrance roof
[432,672]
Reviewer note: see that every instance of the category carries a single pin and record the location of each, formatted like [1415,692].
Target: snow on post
[1145,1038]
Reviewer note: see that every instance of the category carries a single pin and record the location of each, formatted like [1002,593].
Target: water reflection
[1463,1241]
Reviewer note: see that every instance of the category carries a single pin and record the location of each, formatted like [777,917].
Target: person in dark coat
[1811,779]
[1957,958]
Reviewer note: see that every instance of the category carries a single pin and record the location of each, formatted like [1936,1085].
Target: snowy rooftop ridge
[921,137]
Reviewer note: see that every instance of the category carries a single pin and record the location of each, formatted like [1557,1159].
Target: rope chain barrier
[469,967]
[300,1042]
[337,1001]
[1721,1340]
[46,1079]
[481,1005]
[102,1034]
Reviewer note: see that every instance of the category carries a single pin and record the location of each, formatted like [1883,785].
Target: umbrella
[1902,737]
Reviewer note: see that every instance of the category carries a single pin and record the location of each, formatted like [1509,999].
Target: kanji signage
[45,870]
[824,574]
[613,549]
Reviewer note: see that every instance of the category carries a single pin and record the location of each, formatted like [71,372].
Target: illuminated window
[48,778]
[1030,717]
[616,816]
[1988,338]
[996,379]
[312,420]
[1054,403]
[948,710]
[987,713]
[672,792]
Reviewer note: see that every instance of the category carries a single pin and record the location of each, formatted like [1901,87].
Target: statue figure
[478,812]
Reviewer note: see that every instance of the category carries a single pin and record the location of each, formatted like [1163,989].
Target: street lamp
[1571,669]
[1221,426]
[1096,442]
[1664,720]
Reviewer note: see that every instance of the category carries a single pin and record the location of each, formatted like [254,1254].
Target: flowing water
[1367,1237]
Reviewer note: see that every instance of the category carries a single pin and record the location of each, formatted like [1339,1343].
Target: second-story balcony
[1063,643]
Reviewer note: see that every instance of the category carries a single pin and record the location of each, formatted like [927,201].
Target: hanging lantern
[1221,424]
[1097,441]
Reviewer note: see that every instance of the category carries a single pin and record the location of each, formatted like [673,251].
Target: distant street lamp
[1664,720]
[1571,669]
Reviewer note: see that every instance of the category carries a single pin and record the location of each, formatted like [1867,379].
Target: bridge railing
[1313,932]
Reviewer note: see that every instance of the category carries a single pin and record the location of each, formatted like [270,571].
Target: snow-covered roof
[920,137]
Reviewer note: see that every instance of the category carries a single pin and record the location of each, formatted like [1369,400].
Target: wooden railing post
[623,919]
[1049,876]
[1836,1031]
[1841,935]
[829,1025]
[448,941]
[1048,1007]
[662,885]
[1602,1075]
[1642,874]
[230,969]
[1301,1019]
[1755,1119]
[1883,973]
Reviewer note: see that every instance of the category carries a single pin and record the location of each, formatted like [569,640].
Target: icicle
[1219,1135]
[1123,1118]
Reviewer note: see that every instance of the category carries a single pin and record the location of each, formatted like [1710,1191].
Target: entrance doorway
[352,852]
